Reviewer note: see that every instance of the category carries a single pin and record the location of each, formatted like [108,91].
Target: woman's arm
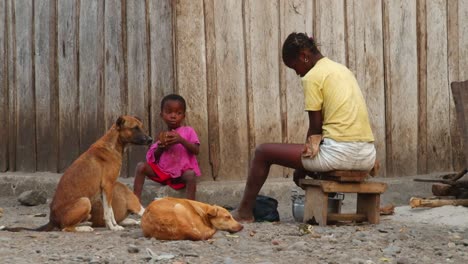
[315,123]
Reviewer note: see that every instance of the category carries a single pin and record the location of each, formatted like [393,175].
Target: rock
[32,198]
[357,261]
[391,250]
[402,261]
[300,246]
[133,249]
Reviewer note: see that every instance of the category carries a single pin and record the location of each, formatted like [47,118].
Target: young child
[171,160]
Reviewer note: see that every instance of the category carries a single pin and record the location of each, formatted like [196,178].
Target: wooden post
[368,204]
[317,206]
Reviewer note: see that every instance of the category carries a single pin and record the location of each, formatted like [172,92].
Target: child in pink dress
[171,160]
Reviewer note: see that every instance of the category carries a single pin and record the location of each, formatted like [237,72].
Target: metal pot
[334,205]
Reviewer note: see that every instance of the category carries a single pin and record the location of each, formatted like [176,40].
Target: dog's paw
[129,222]
[116,228]
[84,229]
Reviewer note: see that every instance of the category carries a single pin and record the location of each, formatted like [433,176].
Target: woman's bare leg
[287,155]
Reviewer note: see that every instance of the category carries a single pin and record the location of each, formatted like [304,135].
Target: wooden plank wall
[69,68]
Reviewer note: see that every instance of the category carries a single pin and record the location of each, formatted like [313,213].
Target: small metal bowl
[334,205]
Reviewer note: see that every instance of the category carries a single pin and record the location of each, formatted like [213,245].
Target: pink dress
[177,159]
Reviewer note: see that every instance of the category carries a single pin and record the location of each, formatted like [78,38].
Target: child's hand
[172,137]
[162,139]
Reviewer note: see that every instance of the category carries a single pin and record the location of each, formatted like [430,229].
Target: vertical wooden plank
[453,76]
[46,93]
[115,93]
[295,16]
[365,57]
[114,63]
[162,59]
[191,72]
[460,93]
[463,38]
[231,99]
[212,88]
[439,158]
[11,82]
[137,65]
[4,137]
[330,29]
[402,95]
[90,72]
[26,126]
[422,85]
[463,62]
[264,48]
[67,53]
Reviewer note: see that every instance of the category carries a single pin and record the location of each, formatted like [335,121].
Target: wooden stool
[342,176]
[316,200]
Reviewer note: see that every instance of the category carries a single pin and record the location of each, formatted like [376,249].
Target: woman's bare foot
[241,217]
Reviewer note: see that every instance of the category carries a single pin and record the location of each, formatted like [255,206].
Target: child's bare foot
[241,217]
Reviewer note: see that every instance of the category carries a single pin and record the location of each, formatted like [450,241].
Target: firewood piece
[421,202]
[458,176]
[451,179]
[441,189]
[388,209]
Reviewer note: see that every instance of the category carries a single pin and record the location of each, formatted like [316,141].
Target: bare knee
[260,151]
[189,177]
[141,168]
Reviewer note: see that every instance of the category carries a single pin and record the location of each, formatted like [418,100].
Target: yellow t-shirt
[332,88]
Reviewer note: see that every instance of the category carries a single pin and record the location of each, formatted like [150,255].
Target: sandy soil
[397,239]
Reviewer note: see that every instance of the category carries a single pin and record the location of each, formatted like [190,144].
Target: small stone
[53,235]
[133,249]
[275,242]
[451,245]
[32,198]
[402,261]
[357,261]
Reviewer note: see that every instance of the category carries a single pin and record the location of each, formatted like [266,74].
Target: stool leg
[316,205]
[368,204]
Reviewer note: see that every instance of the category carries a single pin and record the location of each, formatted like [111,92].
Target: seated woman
[337,113]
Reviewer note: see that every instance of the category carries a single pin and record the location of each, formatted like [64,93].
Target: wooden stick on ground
[421,202]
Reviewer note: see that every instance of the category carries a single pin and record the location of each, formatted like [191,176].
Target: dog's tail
[47,227]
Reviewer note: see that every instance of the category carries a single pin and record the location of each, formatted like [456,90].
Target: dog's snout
[149,140]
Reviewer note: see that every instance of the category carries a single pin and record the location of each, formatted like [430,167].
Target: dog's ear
[120,121]
[212,211]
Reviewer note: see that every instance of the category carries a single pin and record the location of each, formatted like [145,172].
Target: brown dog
[91,178]
[179,219]
[124,202]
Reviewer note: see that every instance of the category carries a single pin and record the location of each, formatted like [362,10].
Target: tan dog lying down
[124,202]
[179,219]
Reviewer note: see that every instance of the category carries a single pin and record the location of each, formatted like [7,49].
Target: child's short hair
[173,97]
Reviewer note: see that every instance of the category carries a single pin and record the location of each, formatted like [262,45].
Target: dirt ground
[394,240]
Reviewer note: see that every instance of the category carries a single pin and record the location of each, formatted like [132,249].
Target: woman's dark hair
[296,42]
[173,97]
